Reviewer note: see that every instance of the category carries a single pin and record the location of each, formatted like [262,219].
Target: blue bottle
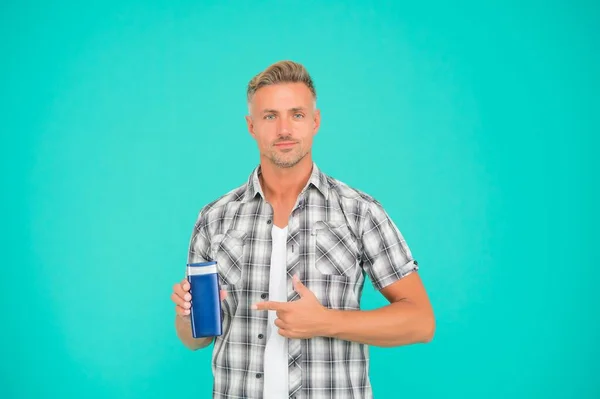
[205,289]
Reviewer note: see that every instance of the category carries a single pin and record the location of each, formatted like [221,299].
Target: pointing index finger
[269,305]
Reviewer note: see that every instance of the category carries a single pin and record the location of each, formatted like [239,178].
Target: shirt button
[263,296]
[260,336]
[269,221]
[258,375]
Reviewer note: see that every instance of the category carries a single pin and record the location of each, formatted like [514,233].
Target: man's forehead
[283,90]
[283,97]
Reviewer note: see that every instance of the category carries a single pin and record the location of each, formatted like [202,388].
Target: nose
[284,126]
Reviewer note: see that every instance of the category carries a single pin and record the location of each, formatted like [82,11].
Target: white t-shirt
[276,351]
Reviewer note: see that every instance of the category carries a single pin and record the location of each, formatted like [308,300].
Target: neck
[284,184]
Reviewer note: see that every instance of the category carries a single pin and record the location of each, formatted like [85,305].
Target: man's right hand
[182,298]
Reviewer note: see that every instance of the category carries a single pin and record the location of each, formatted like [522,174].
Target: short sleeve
[386,257]
[199,243]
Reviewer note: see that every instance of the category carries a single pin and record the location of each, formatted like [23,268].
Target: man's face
[283,121]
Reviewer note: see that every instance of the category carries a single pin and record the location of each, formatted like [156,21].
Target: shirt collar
[317,179]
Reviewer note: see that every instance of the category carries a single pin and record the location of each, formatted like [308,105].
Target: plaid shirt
[337,235]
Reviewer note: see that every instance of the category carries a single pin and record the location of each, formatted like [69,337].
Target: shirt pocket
[228,251]
[336,250]
[335,266]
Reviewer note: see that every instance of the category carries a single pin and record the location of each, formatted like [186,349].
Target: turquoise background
[474,123]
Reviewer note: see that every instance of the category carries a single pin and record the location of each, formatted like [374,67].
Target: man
[293,247]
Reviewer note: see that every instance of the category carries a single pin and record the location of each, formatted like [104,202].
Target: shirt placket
[260,286]
[295,265]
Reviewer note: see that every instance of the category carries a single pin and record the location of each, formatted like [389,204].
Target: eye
[269,117]
[298,116]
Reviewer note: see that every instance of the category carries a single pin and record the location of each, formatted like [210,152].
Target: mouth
[285,144]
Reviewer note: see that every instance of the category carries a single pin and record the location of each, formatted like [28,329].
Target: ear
[317,121]
[250,125]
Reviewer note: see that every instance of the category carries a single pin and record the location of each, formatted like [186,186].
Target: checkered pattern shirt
[337,235]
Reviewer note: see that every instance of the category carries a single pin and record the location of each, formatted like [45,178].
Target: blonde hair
[281,72]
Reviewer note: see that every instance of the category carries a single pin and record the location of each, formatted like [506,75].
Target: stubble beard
[287,160]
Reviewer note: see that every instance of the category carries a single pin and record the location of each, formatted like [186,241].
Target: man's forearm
[399,323]
[184,332]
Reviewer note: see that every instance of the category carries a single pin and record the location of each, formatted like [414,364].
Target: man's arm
[408,319]
[388,261]
[197,252]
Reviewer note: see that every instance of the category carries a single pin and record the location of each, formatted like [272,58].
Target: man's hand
[182,298]
[304,318]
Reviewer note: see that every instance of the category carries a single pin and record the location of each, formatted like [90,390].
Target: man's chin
[286,160]
[286,163]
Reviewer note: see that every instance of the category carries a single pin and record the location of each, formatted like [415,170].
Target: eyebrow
[274,111]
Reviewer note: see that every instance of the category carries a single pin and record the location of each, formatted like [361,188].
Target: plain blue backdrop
[475,124]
